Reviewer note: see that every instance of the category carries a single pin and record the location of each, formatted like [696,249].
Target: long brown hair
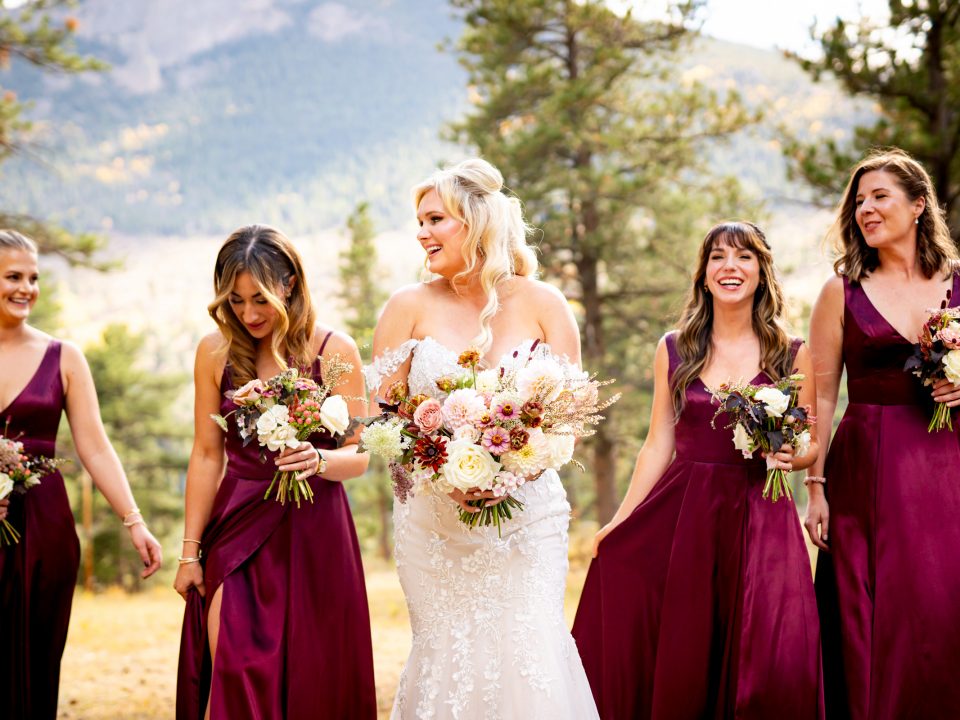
[496,233]
[272,261]
[694,339]
[935,249]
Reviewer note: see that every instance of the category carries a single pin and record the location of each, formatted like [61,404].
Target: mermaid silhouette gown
[701,603]
[294,636]
[889,590]
[38,574]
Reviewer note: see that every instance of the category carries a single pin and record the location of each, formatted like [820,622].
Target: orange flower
[71,24]
[469,358]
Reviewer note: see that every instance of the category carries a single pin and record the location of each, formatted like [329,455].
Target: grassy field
[121,657]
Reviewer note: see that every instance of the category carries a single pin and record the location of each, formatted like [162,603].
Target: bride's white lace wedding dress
[489,636]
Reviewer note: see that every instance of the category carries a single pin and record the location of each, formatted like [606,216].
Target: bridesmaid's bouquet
[767,417]
[286,410]
[18,473]
[495,430]
[937,356]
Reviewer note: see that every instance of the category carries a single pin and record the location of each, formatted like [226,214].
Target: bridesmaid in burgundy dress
[276,624]
[699,602]
[888,572]
[41,378]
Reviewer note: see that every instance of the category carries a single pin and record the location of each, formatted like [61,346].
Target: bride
[489,636]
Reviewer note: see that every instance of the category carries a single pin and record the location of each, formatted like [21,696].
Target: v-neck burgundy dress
[38,574]
[889,590]
[701,603]
[294,640]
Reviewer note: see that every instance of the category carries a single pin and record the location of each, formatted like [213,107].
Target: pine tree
[362,298]
[33,34]
[135,404]
[910,67]
[582,110]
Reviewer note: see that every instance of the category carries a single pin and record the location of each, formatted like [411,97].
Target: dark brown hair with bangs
[695,330]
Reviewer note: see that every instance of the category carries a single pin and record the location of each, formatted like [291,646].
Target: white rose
[271,418]
[742,441]
[802,443]
[951,366]
[560,449]
[542,377]
[774,400]
[31,481]
[487,381]
[6,485]
[335,415]
[280,437]
[466,432]
[468,466]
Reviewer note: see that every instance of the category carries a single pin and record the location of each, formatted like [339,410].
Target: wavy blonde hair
[496,232]
[12,240]
[272,261]
[694,340]
[936,251]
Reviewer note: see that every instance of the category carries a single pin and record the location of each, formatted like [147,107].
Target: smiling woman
[41,378]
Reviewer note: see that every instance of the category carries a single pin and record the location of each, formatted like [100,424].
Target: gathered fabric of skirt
[888,591]
[701,603]
[294,638]
[38,574]
[489,637]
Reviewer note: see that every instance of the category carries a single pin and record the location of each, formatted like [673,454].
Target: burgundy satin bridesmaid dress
[294,638]
[889,590]
[701,603]
[38,574]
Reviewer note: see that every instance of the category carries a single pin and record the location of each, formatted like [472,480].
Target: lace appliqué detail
[387,364]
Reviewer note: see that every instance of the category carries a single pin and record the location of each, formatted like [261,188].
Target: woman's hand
[817,521]
[782,459]
[947,392]
[4,508]
[601,534]
[149,549]
[189,575]
[303,460]
[473,495]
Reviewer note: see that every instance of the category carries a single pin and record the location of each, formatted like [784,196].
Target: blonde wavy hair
[496,232]
[12,240]
[272,261]
[936,251]
[694,339]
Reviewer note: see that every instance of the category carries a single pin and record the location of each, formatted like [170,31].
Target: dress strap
[671,341]
[324,343]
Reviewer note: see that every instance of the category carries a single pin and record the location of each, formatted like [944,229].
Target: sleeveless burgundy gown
[294,637]
[889,590]
[38,574]
[701,603]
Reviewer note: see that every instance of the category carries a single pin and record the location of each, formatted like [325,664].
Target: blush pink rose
[429,415]
[249,394]
[950,335]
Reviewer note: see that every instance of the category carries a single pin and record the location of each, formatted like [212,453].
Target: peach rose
[249,394]
[429,415]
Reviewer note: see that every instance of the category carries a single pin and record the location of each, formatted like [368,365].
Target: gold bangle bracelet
[186,540]
[187,560]
[133,511]
[130,523]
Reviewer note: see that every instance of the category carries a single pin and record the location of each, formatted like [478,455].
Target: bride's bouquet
[495,430]
[18,473]
[286,410]
[767,417]
[937,356]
